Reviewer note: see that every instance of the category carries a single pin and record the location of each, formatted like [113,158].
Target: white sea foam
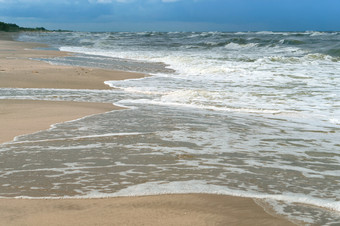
[236,46]
[208,107]
[16,141]
[335,121]
[200,187]
[156,188]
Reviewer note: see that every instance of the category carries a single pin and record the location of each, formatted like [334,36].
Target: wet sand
[18,117]
[188,209]
[25,116]
[16,70]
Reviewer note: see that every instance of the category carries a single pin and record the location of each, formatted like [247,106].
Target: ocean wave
[334,52]
[191,103]
[311,58]
[292,42]
[87,137]
[236,46]
[203,187]
[319,33]
[200,187]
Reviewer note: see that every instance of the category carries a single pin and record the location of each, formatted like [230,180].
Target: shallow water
[245,114]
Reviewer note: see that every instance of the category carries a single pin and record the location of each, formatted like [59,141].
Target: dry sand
[23,116]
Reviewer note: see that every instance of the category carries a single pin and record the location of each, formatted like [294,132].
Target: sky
[174,15]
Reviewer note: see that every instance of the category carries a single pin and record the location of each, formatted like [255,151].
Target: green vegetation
[13,27]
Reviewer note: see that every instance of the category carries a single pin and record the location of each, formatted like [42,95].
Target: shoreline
[49,112]
[185,209]
[180,209]
[39,74]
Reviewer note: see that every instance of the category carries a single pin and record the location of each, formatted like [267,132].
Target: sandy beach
[189,209]
[19,117]
[37,74]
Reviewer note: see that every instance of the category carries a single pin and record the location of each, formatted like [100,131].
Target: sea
[249,114]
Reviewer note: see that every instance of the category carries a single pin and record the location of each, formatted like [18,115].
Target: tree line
[13,27]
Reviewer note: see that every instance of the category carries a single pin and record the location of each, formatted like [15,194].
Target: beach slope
[19,117]
[188,209]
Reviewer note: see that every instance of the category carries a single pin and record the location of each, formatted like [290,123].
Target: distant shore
[27,116]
